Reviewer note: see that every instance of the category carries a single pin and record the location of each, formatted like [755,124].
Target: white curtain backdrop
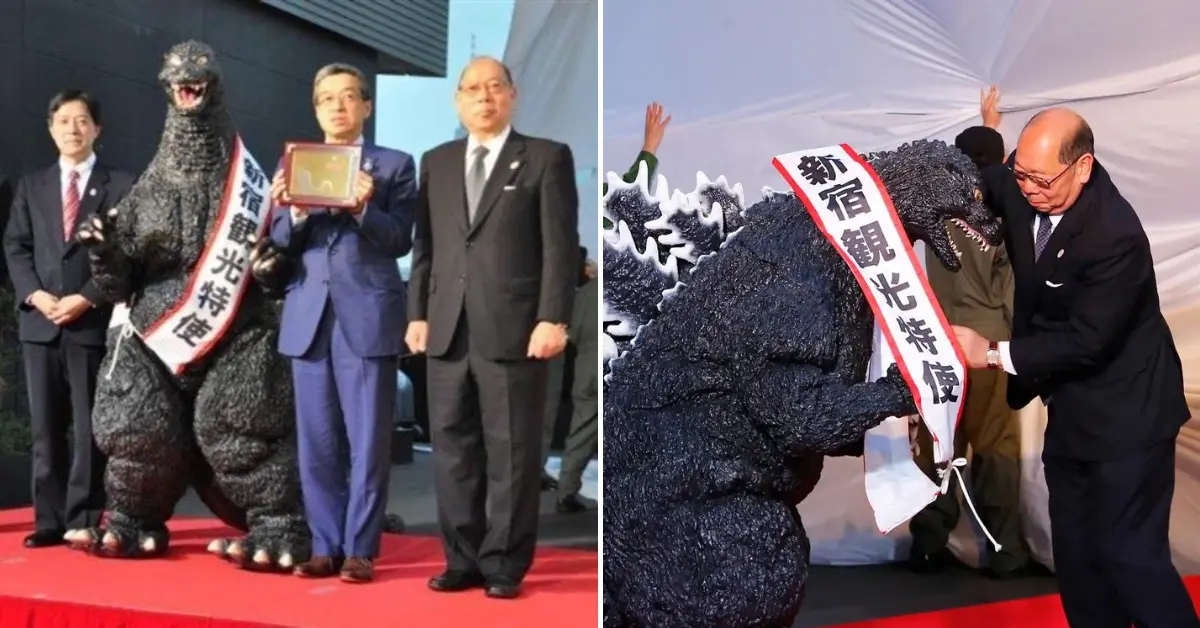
[745,81]
[553,52]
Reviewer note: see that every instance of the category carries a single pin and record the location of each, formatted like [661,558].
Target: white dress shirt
[1005,359]
[84,168]
[489,161]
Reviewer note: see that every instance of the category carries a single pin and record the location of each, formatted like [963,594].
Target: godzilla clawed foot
[123,538]
[264,549]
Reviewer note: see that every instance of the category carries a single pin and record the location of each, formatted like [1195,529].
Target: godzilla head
[936,188]
[191,77]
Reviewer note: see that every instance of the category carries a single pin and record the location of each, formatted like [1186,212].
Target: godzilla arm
[90,290]
[114,279]
[806,411]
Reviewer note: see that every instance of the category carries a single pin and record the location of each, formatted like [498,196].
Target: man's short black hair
[74,95]
[984,145]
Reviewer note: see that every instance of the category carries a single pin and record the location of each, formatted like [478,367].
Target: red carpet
[58,587]
[1042,612]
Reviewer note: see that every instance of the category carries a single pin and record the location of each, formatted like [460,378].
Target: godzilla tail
[653,245]
[393,524]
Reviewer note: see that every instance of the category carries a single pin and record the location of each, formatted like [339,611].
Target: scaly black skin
[226,426]
[718,416]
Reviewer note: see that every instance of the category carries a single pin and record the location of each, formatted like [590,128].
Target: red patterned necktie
[71,205]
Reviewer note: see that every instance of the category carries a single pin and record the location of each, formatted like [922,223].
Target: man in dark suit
[343,328]
[494,267]
[63,317]
[583,437]
[1089,339]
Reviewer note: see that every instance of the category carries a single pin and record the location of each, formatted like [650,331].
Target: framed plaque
[321,175]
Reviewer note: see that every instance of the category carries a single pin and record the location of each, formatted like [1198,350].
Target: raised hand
[98,232]
[109,265]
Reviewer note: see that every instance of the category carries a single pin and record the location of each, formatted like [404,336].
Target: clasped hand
[61,311]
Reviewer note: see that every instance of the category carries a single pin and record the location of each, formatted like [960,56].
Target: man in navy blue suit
[343,328]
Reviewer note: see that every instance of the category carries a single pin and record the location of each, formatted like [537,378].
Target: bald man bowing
[1090,339]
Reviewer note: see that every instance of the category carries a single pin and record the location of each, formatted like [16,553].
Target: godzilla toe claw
[117,542]
[256,554]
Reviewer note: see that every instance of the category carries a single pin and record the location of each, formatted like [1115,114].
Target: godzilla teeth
[971,233]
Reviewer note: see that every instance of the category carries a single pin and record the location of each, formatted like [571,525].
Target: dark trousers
[344,406]
[993,433]
[68,483]
[584,435]
[485,420]
[1109,521]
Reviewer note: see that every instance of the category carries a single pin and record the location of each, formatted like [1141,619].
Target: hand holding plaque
[322,175]
[364,185]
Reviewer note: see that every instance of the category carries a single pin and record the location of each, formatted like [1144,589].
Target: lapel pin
[92,192]
[514,165]
[1060,252]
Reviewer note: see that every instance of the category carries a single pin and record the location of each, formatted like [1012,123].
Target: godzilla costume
[223,424]
[737,344]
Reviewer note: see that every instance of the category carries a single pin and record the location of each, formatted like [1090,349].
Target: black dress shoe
[923,563]
[570,504]
[452,581]
[549,483]
[45,538]
[502,588]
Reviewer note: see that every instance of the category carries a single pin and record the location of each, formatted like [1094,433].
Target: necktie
[71,205]
[476,179]
[1043,236]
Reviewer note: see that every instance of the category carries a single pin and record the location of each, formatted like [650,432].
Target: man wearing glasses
[343,328]
[1090,339]
[494,267]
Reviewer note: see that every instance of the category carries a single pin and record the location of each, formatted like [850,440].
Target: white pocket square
[1053,285]
[509,188]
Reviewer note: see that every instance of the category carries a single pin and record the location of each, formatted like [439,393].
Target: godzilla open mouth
[189,95]
[971,233]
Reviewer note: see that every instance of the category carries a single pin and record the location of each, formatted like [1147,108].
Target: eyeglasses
[492,87]
[345,99]
[1038,181]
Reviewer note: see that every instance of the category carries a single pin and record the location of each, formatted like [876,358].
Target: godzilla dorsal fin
[676,232]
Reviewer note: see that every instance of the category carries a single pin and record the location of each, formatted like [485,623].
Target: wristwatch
[993,356]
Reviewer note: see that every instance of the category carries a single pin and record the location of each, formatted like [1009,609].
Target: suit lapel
[459,155]
[93,194]
[1068,227]
[508,164]
[50,200]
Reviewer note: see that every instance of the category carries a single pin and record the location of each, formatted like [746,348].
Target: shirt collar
[493,145]
[83,168]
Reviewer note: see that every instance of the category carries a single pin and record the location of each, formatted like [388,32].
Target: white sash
[194,325]
[849,204]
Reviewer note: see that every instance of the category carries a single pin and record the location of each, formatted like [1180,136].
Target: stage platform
[58,587]
[888,596]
